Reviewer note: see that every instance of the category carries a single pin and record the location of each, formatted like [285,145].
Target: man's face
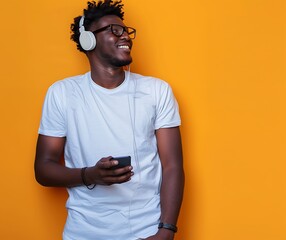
[110,49]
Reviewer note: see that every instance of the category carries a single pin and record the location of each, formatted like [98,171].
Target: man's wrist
[165,234]
[85,180]
[170,227]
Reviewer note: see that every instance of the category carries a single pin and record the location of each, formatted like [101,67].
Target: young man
[105,114]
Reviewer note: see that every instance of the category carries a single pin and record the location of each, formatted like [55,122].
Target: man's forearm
[171,194]
[53,174]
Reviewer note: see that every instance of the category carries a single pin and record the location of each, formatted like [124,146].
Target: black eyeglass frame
[125,29]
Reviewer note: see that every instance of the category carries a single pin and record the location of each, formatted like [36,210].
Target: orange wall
[226,63]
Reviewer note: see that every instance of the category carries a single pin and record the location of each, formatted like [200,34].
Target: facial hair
[120,63]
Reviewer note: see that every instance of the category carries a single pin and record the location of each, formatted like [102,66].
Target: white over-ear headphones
[87,39]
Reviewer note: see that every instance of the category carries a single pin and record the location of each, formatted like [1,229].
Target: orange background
[225,60]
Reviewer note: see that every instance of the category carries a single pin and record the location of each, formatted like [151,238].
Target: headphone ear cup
[87,40]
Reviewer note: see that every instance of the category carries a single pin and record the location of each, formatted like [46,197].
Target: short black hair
[94,12]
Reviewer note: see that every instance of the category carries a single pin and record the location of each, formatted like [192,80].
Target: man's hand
[102,174]
[162,234]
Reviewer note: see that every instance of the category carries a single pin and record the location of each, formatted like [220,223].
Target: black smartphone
[122,162]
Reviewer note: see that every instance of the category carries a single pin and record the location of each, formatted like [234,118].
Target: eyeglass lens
[118,30]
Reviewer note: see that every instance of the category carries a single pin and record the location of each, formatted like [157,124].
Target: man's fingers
[107,162]
[119,179]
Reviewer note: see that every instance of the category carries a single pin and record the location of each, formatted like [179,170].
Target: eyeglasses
[118,30]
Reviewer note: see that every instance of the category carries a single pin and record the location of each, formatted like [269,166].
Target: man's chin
[122,63]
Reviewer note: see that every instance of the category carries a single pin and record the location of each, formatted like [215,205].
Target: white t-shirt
[99,122]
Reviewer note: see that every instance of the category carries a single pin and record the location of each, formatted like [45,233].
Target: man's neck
[107,77]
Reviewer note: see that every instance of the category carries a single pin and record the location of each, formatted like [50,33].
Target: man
[105,114]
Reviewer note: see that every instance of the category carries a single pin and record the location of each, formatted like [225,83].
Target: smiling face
[111,50]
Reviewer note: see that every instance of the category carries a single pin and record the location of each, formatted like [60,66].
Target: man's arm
[170,151]
[49,171]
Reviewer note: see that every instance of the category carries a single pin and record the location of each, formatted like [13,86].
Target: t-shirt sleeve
[167,111]
[53,113]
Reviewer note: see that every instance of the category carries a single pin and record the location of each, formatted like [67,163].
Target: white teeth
[127,47]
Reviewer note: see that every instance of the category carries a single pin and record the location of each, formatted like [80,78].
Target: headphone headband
[81,26]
